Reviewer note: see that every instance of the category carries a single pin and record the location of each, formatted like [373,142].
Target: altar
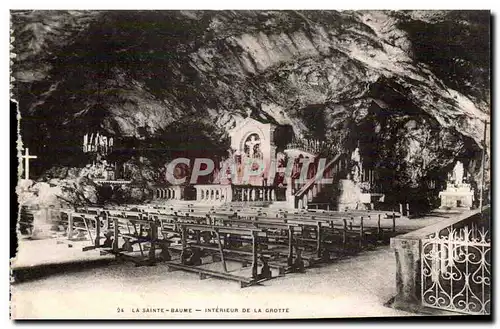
[458,194]
[254,150]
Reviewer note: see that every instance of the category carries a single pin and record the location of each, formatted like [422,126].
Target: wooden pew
[222,251]
[316,231]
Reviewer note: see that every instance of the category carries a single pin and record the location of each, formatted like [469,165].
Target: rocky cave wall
[417,96]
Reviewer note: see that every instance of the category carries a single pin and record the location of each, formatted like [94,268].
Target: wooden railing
[313,186]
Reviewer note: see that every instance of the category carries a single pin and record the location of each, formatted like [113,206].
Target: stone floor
[352,287]
[32,253]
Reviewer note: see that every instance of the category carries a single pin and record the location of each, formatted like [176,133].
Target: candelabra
[97,143]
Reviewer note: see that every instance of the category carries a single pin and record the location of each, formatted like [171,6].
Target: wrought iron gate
[455,268]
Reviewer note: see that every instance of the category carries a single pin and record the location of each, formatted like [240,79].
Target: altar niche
[458,193]
[253,140]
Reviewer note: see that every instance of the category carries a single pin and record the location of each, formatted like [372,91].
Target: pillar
[290,198]
[229,196]
[41,224]
[408,273]
[70,225]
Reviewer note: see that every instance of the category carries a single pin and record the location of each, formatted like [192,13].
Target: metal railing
[456,269]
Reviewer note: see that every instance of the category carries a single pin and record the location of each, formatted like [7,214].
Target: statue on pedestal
[457,194]
[356,166]
[458,173]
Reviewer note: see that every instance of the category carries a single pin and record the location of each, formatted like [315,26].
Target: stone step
[244,204]
[279,205]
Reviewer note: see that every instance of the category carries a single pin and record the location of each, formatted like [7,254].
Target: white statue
[90,142]
[356,157]
[357,168]
[458,173]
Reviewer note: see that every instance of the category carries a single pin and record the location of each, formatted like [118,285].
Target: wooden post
[183,243]
[344,234]
[401,209]
[153,235]
[87,227]
[138,236]
[115,234]
[393,222]
[379,230]
[198,237]
[70,225]
[318,239]
[97,242]
[361,233]
[254,255]
[217,235]
[290,245]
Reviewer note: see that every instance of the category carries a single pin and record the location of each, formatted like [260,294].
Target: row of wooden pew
[210,241]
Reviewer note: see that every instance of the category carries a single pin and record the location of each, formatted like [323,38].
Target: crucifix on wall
[251,142]
[27,157]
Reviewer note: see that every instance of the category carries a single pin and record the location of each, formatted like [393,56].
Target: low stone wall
[169,193]
[408,249]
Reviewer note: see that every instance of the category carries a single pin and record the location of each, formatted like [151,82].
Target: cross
[251,143]
[27,158]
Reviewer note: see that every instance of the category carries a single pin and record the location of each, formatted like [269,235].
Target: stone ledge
[424,232]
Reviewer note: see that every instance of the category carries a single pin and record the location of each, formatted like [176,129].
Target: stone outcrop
[341,76]
[56,192]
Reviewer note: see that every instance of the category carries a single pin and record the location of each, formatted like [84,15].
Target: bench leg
[171,269]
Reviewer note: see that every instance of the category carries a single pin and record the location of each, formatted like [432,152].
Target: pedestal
[349,195]
[290,198]
[41,225]
[407,254]
[457,197]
